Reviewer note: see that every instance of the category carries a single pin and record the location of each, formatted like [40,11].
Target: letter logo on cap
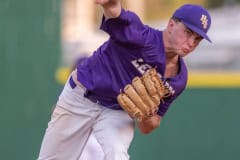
[204,21]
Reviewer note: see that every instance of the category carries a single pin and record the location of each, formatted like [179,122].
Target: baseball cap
[195,17]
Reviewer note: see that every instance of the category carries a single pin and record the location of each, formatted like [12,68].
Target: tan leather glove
[142,98]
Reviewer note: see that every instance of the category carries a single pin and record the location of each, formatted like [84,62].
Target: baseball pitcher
[132,78]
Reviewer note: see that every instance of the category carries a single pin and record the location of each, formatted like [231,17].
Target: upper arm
[127,28]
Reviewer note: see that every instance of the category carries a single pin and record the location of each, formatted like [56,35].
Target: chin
[180,53]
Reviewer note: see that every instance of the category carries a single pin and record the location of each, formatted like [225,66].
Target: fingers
[101,1]
[104,2]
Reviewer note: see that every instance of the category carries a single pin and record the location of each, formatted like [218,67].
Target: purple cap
[195,17]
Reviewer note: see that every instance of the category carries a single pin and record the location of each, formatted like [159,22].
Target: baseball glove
[142,98]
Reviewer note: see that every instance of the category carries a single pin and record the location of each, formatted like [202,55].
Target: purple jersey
[131,49]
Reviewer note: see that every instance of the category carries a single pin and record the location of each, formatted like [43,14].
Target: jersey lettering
[140,65]
[171,91]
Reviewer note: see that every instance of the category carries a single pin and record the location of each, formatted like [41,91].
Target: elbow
[148,125]
[149,129]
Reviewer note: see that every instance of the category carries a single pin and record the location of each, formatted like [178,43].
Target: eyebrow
[189,29]
[197,35]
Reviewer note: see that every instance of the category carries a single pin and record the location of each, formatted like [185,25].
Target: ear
[170,25]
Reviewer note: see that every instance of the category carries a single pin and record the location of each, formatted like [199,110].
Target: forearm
[111,8]
[147,126]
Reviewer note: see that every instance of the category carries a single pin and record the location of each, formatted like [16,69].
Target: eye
[188,32]
[198,39]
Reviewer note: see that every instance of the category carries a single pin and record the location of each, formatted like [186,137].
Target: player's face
[182,39]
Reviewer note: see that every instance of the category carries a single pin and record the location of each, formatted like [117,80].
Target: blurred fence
[29,53]
[203,124]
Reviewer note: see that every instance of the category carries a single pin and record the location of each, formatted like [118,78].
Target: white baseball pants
[75,118]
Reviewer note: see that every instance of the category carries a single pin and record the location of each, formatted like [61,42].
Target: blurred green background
[29,54]
[202,124]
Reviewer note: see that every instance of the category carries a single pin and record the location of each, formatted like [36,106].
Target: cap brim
[198,31]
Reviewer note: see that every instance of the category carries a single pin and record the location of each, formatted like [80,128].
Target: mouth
[186,50]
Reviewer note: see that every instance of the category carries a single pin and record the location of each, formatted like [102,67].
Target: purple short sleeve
[127,28]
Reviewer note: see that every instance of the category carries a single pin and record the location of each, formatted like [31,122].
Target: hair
[176,19]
